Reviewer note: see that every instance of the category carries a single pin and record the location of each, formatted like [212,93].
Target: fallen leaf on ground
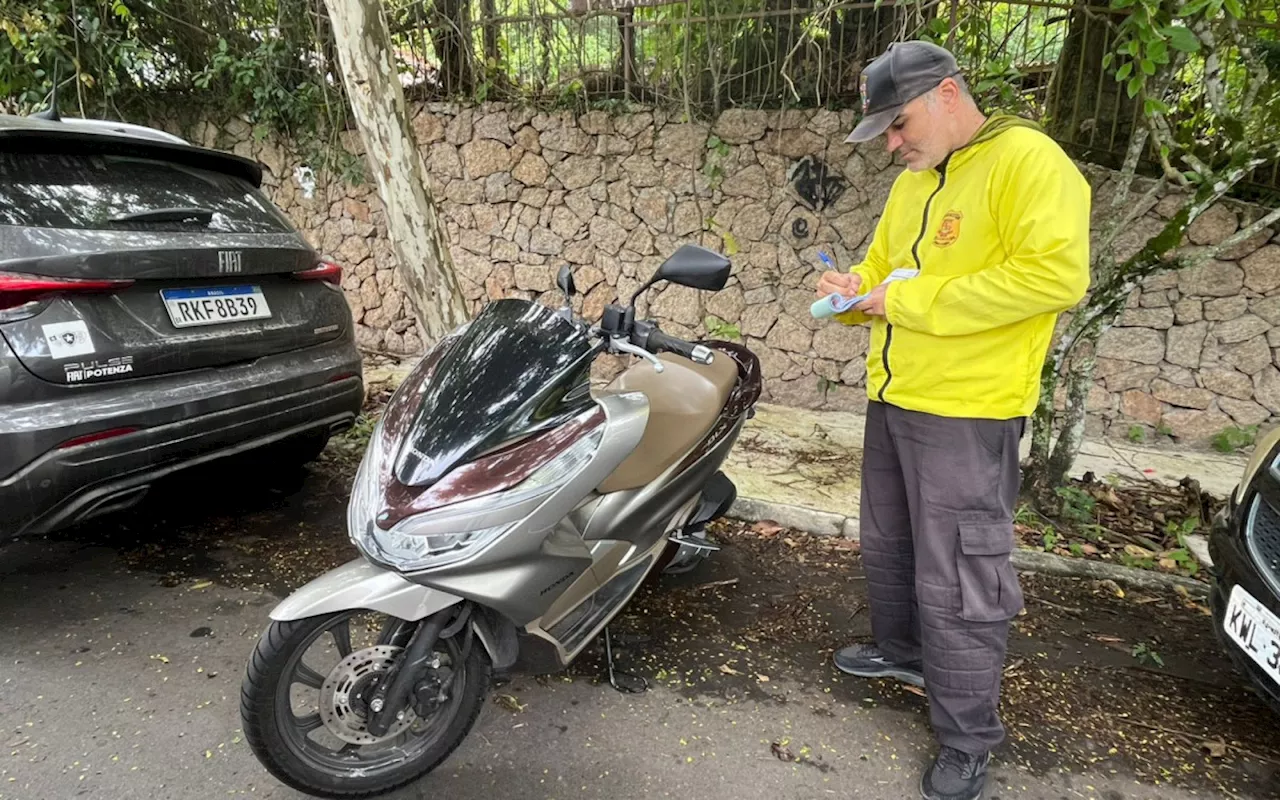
[915,689]
[728,670]
[1216,749]
[510,703]
[1113,587]
[763,678]
[782,753]
[767,528]
[1109,496]
[158,657]
[202,585]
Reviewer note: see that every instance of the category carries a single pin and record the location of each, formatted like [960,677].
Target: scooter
[505,512]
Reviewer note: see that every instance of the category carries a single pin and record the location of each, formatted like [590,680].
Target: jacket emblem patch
[949,230]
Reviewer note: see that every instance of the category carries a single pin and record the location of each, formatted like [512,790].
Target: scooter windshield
[513,371]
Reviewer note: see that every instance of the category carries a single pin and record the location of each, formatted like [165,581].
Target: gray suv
[156,312]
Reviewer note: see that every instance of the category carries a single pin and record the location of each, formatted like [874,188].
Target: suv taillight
[17,289]
[324,271]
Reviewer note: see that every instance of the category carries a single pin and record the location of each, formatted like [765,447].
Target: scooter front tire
[265,715]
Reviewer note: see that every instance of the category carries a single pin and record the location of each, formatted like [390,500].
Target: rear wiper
[202,215]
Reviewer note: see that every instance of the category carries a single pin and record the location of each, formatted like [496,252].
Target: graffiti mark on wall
[815,184]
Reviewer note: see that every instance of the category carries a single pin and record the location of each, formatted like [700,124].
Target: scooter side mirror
[696,267]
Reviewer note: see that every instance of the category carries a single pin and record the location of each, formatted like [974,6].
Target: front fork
[391,697]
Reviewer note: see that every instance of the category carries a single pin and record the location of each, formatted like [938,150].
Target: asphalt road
[122,647]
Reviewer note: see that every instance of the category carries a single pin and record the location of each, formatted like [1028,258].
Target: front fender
[360,584]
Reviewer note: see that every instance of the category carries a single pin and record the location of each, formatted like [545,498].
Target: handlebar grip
[659,341]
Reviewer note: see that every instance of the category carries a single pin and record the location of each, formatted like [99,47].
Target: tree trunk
[857,36]
[450,28]
[370,74]
[1073,358]
[1087,106]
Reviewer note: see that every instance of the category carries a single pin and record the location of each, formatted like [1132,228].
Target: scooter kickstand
[615,673]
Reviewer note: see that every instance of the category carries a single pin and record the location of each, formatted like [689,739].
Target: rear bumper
[1234,565]
[180,424]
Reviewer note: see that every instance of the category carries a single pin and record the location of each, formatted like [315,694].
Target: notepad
[836,303]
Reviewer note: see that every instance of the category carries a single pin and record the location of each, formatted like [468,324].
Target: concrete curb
[827,523]
[809,520]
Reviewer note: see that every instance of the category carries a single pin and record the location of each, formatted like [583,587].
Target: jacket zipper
[915,254]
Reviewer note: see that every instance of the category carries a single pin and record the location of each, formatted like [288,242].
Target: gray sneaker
[866,661]
[955,775]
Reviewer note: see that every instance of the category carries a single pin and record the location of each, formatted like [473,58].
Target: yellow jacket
[1000,234]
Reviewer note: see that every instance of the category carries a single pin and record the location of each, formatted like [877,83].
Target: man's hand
[842,283]
[874,304]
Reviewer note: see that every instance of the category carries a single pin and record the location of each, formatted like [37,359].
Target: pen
[826,260]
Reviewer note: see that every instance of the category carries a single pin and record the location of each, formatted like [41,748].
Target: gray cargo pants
[937,504]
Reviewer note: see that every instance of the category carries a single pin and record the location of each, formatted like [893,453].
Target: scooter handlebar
[655,341]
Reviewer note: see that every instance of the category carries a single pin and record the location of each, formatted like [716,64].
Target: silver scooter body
[644,482]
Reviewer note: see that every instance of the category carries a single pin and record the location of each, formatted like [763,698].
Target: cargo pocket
[989,589]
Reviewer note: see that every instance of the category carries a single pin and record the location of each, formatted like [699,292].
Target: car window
[62,190]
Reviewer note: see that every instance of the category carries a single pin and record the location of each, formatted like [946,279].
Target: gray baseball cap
[899,75]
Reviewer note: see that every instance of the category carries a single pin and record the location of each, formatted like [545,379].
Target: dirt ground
[1098,678]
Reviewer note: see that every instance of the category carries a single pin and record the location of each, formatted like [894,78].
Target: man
[995,217]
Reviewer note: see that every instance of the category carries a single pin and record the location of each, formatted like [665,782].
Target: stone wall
[525,192]
[1196,351]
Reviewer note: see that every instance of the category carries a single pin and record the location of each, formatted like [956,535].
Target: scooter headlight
[409,551]
[437,538]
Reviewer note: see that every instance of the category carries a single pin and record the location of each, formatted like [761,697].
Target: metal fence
[1039,58]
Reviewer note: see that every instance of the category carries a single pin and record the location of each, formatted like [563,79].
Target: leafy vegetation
[1134,523]
[1232,439]
[1144,652]
[152,60]
[719,329]
[273,63]
[1209,114]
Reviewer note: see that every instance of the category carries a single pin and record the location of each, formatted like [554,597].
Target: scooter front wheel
[305,703]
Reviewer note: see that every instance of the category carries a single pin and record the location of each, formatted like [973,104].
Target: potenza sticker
[92,370]
[68,339]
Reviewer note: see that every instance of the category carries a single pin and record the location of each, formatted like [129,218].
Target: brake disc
[343,704]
